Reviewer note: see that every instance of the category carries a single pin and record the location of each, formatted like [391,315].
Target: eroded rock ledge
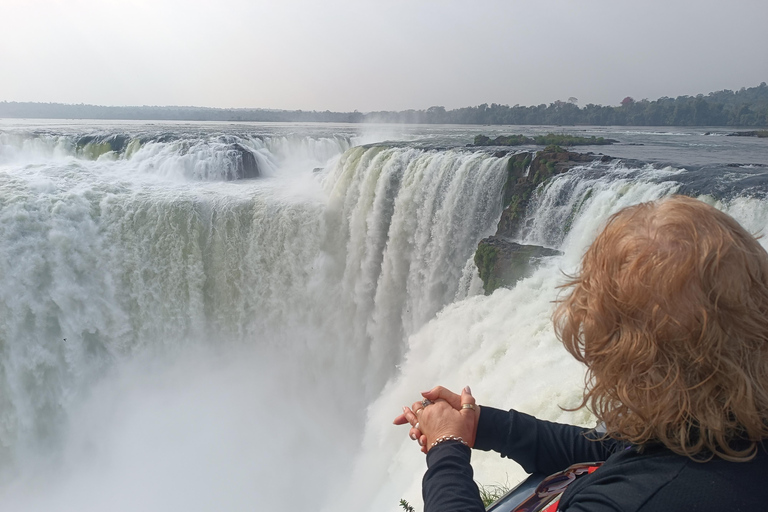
[500,261]
[503,263]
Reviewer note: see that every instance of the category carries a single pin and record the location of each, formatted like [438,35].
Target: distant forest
[745,107]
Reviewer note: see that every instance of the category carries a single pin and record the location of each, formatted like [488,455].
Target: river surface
[173,337]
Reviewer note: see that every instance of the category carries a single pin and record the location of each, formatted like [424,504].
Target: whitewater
[228,316]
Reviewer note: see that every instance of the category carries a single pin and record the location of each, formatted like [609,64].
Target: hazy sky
[375,55]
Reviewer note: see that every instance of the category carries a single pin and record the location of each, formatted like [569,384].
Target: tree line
[745,107]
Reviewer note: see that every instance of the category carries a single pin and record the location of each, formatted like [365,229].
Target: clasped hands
[445,415]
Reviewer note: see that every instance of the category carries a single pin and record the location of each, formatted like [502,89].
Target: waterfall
[409,221]
[177,155]
[503,345]
[120,284]
[171,338]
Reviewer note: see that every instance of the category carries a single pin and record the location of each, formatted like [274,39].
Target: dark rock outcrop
[502,263]
[525,172]
[754,133]
[747,165]
[561,139]
[245,163]
[93,146]
[158,137]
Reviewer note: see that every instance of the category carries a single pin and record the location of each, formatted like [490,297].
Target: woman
[670,315]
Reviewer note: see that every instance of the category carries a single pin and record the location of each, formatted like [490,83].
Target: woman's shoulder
[655,478]
[731,479]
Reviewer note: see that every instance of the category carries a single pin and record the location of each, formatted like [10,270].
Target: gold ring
[468,406]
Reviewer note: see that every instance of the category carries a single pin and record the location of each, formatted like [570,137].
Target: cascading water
[112,260]
[171,340]
[409,221]
[503,345]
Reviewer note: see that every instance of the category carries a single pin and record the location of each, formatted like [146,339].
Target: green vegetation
[525,172]
[745,107]
[502,263]
[485,260]
[516,167]
[488,493]
[551,140]
[492,493]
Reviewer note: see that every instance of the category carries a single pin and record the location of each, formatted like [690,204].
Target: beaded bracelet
[447,438]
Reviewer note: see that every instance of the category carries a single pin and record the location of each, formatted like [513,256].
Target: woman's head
[670,314]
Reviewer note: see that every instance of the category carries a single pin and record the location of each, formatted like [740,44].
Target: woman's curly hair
[670,314]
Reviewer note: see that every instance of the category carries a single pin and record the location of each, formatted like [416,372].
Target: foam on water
[502,345]
[241,345]
[122,286]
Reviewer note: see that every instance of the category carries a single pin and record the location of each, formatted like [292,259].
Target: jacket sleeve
[448,484]
[538,446]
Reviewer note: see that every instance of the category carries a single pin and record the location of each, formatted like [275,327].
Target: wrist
[447,438]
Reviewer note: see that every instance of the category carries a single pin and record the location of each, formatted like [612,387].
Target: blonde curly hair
[670,314]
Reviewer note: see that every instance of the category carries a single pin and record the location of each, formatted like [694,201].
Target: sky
[365,55]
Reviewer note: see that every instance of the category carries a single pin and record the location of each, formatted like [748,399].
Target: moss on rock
[525,172]
[549,139]
[502,263]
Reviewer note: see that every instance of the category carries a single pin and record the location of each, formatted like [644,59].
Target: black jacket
[654,479]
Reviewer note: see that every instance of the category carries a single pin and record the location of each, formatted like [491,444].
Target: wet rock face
[526,171]
[246,166]
[240,164]
[93,146]
[230,160]
[502,263]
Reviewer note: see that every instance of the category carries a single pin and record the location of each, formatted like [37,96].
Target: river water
[171,338]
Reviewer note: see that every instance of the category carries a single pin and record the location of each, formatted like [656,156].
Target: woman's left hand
[447,415]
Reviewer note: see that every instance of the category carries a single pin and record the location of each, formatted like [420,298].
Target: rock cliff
[500,261]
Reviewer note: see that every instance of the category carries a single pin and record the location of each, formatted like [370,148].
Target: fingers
[441,393]
[463,406]
[400,420]
[470,412]
[416,408]
[410,415]
[468,405]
